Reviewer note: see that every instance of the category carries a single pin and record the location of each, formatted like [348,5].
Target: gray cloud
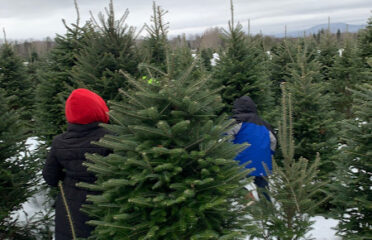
[41,18]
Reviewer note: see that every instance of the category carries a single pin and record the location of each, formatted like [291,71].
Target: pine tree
[313,119]
[17,168]
[353,186]
[242,70]
[172,173]
[108,48]
[14,81]
[55,82]
[291,187]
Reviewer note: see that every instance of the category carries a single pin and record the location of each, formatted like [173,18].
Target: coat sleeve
[273,142]
[233,131]
[52,171]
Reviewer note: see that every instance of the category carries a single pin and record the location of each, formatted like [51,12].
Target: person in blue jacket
[250,128]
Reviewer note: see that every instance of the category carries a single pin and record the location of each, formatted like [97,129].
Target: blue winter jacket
[250,128]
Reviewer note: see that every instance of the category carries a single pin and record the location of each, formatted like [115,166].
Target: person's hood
[84,107]
[244,105]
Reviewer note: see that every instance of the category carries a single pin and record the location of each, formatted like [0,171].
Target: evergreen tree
[326,53]
[156,44]
[14,81]
[365,43]
[33,65]
[346,72]
[172,174]
[108,48]
[313,119]
[353,186]
[54,79]
[182,57]
[291,187]
[338,35]
[17,168]
[281,56]
[206,55]
[242,70]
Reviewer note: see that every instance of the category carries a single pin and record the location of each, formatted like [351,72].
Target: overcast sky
[37,19]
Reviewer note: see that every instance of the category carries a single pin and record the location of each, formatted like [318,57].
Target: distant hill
[334,27]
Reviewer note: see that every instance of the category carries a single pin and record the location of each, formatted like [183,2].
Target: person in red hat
[84,110]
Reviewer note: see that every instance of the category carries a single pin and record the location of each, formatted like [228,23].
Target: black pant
[262,186]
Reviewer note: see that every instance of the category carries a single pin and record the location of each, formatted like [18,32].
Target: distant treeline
[211,38]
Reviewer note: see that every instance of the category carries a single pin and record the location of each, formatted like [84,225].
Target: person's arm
[52,171]
[233,131]
[273,142]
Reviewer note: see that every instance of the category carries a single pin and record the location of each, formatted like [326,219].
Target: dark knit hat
[84,107]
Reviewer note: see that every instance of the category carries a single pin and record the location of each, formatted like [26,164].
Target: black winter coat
[64,162]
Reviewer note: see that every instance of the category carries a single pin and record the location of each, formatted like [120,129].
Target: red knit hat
[84,106]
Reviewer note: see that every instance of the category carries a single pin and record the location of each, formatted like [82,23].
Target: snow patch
[216,57]
[323,229]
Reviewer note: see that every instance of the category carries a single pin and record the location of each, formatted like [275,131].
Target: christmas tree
[281,56]
[14,81]
[313,124]
[242,70]
[17,168]
[292,186]
[172,174]
[326,52]
[206,54]
[55,82]
[346,72]
[365,43]
[156,44]
[353,186]
[108,48]
[182,57]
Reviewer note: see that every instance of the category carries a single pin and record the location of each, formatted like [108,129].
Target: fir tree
[353,186]
[326,52]
[172,173]
[346,72]
[291,187]
[55,82]
[181,58]
[108,48]
[156,44]
[14,81]
[281,56]
[17,168]
[365,43]
[206,55]
[313,124]
[242,70]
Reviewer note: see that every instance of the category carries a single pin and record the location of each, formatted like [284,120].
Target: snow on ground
[35,206]
[32,143]
[215,58]
[323,228]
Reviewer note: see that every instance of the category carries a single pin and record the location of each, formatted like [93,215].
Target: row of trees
[170,175]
